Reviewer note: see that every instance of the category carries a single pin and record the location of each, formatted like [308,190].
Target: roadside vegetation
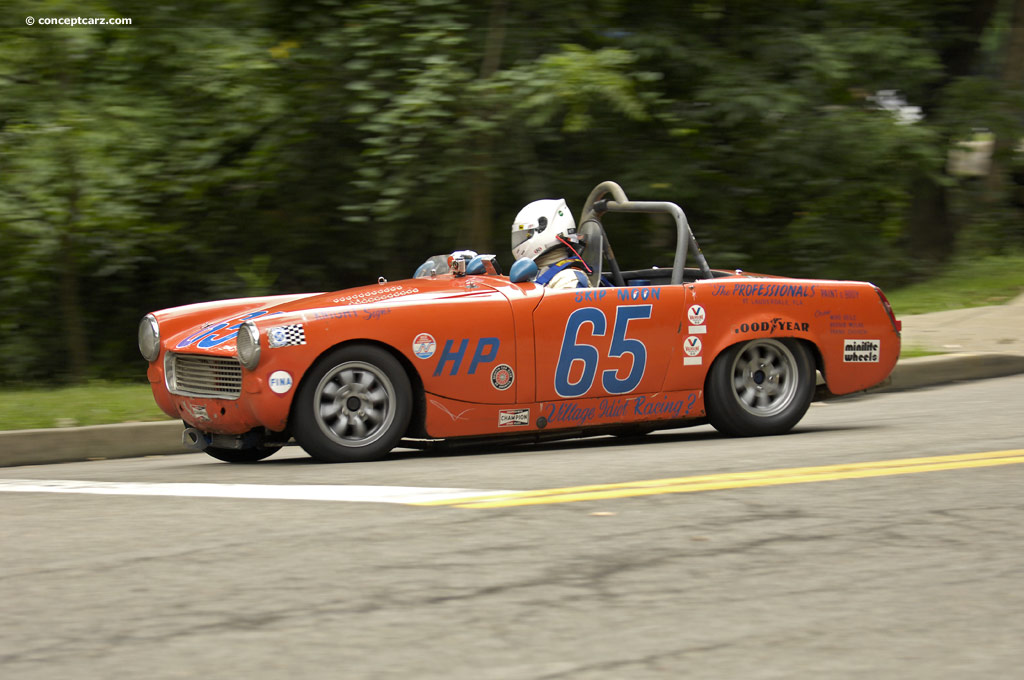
[216,150]
[93,403]
[965,282]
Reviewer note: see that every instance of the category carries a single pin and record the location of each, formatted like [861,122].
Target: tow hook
[194,439]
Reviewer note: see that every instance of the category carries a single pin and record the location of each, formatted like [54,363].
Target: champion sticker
[696,315]
[692,346]
[502,377]
[285,336]
[424,345]
[514,417]
[280,382]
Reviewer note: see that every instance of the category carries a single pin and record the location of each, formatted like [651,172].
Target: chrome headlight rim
[149,338]
[248,345]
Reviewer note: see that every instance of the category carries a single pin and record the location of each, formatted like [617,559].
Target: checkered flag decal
[283,336]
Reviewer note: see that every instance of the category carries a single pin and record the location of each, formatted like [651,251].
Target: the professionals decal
[424,345]
[573,351]
[862,351]
[286,336]
[767,293]
[209,337]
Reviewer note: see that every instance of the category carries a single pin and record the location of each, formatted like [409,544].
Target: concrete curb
[66,444]
[942,369]
[135,440]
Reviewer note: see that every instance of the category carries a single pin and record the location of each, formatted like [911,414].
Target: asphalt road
[873,570]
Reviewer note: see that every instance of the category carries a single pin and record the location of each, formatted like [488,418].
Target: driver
[545,232]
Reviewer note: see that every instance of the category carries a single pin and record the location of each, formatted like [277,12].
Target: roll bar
[597,205]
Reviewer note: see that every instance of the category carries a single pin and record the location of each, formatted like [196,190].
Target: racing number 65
[573,351]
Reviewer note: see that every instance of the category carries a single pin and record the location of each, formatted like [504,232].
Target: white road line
[299,492]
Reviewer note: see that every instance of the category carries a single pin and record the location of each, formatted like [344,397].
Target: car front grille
[195,375]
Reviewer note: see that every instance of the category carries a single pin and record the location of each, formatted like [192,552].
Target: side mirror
[523,270]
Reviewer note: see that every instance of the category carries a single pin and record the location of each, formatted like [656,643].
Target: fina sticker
[502,377]
[692,346]
[424,345]
[280,382]
[696,315]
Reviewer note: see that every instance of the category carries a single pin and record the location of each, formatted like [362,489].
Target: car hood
[213,326]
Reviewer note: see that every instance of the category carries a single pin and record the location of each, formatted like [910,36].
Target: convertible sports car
[460,351]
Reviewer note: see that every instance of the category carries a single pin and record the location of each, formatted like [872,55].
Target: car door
[604,342]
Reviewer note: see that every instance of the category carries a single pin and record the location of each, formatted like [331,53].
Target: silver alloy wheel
[355,404]
[765,377]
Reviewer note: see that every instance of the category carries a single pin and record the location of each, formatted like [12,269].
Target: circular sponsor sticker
[502,377]
[280,382]
[696,315]
[277,337]
[692,346]
[423,345]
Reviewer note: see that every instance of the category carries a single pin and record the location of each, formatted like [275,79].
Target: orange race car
[352,373]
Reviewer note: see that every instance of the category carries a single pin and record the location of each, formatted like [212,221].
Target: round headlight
[249,345]
[149,338]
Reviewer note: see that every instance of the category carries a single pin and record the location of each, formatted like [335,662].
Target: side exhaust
[194,439]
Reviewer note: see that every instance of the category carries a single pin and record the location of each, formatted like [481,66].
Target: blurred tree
[237,148]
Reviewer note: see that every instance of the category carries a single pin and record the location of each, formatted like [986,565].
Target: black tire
[353,406]
[242,455]
[760,387]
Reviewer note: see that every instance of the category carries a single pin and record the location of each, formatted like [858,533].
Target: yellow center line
[739,480]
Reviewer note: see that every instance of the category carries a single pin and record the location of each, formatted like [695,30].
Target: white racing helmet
[538,227]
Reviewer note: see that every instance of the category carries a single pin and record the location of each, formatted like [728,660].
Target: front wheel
[242,455]
[353,406]
[761,387]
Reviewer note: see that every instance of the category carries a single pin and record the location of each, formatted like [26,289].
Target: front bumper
[214,394]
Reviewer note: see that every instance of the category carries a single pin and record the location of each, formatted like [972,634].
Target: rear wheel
[353,406]
[761,387]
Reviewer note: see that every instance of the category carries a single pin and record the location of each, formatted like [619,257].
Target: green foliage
[969,281]
[92,403]
[236,148]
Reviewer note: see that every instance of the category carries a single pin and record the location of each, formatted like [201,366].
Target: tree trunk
[1005,143]
[70,291]
[932,228]
[477,233]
